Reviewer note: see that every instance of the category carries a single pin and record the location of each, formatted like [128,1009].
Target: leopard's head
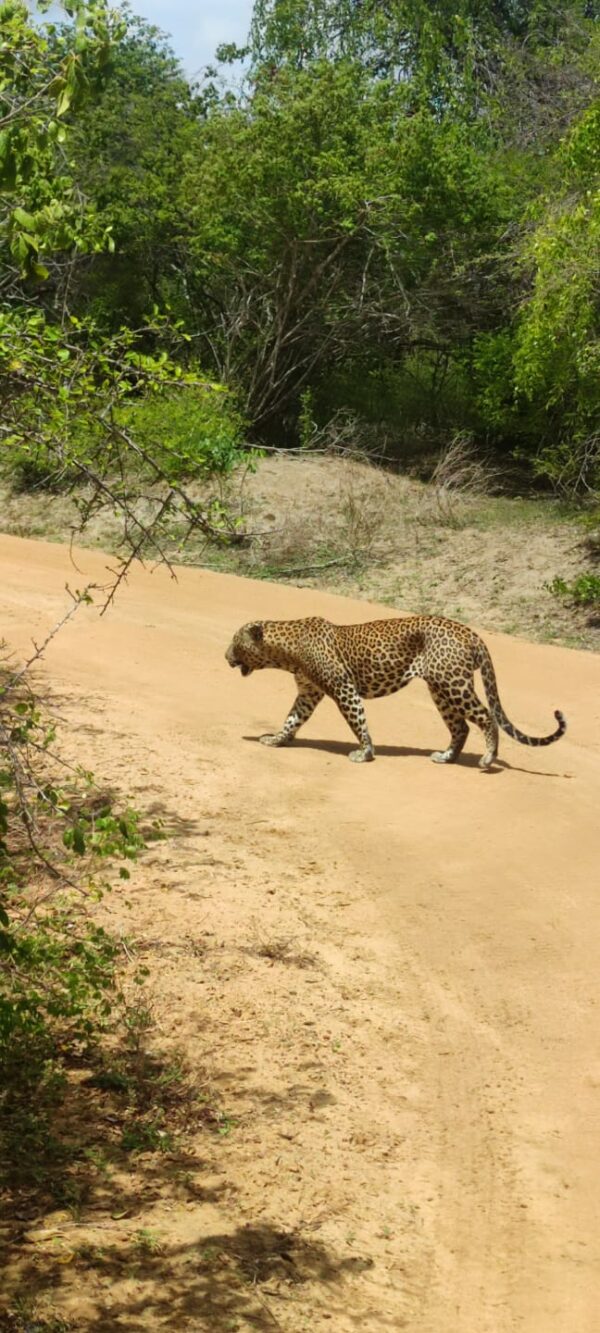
[247,649]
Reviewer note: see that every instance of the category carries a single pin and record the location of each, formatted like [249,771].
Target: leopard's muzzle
[234,662]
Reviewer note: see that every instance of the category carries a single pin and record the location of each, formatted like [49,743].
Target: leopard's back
[384,655]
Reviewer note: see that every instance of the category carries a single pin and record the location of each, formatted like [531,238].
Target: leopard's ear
[256,632]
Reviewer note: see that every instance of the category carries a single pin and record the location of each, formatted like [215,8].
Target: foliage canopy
[394,211]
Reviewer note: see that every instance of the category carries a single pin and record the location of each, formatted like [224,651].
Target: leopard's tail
[485,664]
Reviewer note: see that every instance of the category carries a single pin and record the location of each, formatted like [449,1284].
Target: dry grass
[459,473]
[285,951]
[453,547]
[345,533]
[450,548]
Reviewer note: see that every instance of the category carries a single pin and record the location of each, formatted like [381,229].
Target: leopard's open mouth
[245,670]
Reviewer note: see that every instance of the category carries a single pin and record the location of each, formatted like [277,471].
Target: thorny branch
[30,767]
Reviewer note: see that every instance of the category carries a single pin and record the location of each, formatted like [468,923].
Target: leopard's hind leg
[476,712]
[454,718]
[459,705]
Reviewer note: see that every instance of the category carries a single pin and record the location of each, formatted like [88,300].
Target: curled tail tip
[562,721]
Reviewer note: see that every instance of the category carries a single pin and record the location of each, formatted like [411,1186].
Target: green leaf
[78,840]
[64,101]
[24,219]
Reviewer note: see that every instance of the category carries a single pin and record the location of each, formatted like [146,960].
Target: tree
[328,221]
[557,344]
[63,382]
[443,47]
[42,78]
[378,219]
[128,149]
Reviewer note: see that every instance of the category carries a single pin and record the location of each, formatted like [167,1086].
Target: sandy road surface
[421,1107]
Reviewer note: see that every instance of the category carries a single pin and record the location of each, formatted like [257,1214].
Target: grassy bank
[447,547]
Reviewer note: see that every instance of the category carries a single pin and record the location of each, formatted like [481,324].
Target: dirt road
[397,992]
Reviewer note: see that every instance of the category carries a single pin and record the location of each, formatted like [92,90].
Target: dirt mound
[348,527]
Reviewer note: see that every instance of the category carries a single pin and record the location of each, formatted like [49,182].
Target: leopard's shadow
[408,752]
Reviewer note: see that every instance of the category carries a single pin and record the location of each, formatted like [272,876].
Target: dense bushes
[396,214]
[557,335]
[57,966]
[191,435]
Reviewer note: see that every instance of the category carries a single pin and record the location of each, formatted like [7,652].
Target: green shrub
[31,464]
[57,966]
[191,434]
[583,591]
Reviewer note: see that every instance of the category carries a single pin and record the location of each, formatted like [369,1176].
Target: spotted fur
[355,662]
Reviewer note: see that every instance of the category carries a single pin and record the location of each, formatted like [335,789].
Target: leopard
[349,663]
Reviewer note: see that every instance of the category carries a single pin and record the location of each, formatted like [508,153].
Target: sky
[197,27]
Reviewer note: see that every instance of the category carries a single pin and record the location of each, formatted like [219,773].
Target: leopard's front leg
[304,705]
[350,705]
